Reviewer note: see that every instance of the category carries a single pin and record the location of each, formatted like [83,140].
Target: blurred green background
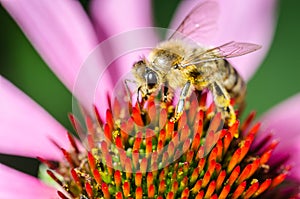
[277,79]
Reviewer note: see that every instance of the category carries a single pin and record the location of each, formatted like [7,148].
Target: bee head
[146,76]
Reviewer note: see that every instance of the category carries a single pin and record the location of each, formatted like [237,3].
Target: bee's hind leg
[222,101]
[180,105]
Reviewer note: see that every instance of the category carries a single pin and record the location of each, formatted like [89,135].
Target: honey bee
[179,64]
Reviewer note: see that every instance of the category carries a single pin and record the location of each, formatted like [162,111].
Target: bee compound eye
[151,79]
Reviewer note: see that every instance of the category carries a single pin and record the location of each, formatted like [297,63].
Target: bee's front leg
[222,101]
[180,105]
[167,94]
[127,89]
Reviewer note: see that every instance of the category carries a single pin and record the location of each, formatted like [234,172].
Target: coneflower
[196,157]
[79,31]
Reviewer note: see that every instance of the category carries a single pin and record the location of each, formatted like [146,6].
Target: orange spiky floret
[196,157]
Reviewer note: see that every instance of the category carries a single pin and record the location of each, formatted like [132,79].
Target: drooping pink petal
[116,22]
[283,121]
[25,128]
[244,21]
[14,184]
[59,30]
[118,18]
[114,17]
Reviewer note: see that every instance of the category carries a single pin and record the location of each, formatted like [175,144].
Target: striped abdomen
[234,83]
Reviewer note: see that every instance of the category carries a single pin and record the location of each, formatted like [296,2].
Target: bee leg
[127,89]
[167,94]
[180,105]
[128,92]
[137,98]
[222,101]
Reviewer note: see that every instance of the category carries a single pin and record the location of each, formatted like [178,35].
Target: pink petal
[283,121]
[245,21]
[25,128]
[110,20]
[59,30]
[15,184]
[114,17]
[116,22]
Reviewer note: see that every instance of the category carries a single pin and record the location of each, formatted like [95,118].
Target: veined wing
[200,24]
[228,50]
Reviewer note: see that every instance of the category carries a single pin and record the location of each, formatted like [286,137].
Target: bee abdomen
[234,83]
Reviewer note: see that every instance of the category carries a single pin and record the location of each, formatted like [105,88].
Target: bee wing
[228,50]
[200,24]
